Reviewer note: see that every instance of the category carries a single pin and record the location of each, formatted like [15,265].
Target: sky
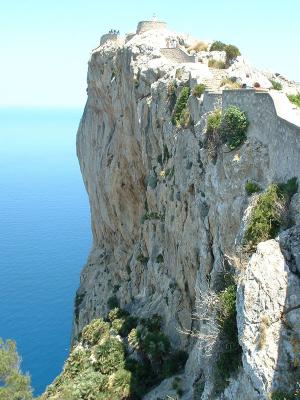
[45,45]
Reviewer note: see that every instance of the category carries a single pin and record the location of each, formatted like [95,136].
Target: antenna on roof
[154,17]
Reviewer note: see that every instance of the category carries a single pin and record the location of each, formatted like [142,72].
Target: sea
[45,235]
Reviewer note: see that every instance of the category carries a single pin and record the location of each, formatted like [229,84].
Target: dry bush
[199,46]
[264,324]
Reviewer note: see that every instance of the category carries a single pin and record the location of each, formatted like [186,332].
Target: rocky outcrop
[166,218]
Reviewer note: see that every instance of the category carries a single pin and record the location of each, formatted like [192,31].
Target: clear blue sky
[45,45]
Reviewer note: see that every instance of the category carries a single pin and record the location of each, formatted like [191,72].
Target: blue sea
[44,235]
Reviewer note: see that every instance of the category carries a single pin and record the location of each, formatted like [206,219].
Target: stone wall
[144,26]
[276,132]
[177,55]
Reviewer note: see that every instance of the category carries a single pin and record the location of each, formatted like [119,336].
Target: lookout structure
[144,26]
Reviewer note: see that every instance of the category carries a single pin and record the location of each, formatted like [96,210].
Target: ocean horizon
[44,235]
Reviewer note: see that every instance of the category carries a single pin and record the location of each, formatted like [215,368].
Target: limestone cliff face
[167,220]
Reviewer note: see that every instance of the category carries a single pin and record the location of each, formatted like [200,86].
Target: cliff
[169,213]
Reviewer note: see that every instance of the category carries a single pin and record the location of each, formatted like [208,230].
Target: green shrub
[110,356]
[212,141]
[113,302]
[218,46]
[153,323]
[288,189]
[124,325]
[180,106]
[218,64]
[198,90]
[265,217]
[233,127]
[160,259]
[232,52]
[295,99]
[174,364]
[119,383]
[152,215]
[185,119]
[78,300]
[229,359]
[213,122]
[229,128]
[176,385]
[156,345]
[285,395]
[94,331]
[268,214]
[171,95]
[116,313]
[252,187]
[134,338]
[276,85]
[142,259]
[77,362]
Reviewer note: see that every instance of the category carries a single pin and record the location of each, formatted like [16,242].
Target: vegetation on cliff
[270,213]
[121,357]
[226,127]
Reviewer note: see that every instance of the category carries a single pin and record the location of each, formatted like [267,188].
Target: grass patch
[252,187]
[198,90]
[295,99]
[276,85]
[180,106]
[230,84]
[152,215]
[218,64]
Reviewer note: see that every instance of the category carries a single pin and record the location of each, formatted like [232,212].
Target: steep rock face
[166,219]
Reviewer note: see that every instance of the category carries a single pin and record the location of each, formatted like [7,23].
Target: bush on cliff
[212,133]
[229,359]
[252,187]
[270,213]
[180,106]
[198,90]
[229,127]
[218,46]
[233,128]
[295,99]
[276,85]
